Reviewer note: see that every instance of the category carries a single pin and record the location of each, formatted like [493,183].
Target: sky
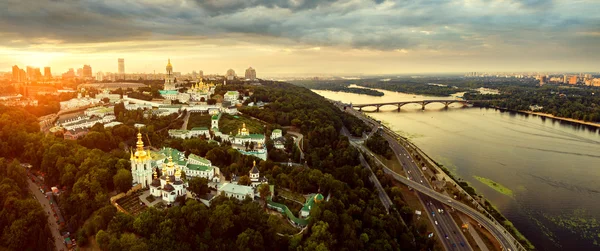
[302,37]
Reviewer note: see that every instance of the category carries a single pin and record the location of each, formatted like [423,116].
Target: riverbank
[550,116]
[562,118]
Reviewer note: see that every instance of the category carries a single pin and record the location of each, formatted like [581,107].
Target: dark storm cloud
[374,24]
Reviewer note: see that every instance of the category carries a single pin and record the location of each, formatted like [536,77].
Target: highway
[446,228]
[507,241]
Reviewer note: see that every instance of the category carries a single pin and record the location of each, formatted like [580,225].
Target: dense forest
[94,167]
[23,224]
[336,86]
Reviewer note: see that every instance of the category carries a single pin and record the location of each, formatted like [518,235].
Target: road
[299,142]
[56,236]
[446,227]
[507,241]
[385,199]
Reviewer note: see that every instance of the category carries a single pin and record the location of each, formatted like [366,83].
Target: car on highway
[436,222]
[432,213]
[462,244]
[449,201]
[445,235]
[421,181]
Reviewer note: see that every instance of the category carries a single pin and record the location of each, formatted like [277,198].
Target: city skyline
[351,37]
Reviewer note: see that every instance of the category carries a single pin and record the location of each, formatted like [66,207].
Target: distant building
[250,74]
[16,77]
[230,75]
[99,76]
[30,73]
[80,72]
[565,79]
[200,74]
[47,73]
[542,80]
[22,75]
[573,80]
[87,72]
[69,74]
[121,66]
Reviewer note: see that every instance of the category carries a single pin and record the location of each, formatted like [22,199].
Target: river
[552,167]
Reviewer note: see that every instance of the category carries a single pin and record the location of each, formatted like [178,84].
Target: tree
[103,239]
[198,186]
[264,190]
[122,180]
[249,240]
[244,181]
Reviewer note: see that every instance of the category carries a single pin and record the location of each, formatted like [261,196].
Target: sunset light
[329,125]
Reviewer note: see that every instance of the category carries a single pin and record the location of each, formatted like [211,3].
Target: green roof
[288,213]
[232,93]
[310,202]
[163,92]
[199,159]
[257,136]
[277,131]
[199,167]
[200,129]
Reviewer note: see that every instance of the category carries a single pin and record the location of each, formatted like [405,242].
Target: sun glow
[32,58]
[39,59]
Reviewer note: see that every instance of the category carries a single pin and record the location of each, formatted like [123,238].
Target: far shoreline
[550,116]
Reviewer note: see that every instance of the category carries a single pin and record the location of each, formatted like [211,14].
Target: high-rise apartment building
[200,74]
[573,80]
[250,74]
[121,66]
[542,80]
[22,75]
[87,71]
[15,74]
[565,80]
[99,76]
[30,73]
[37,74]
[80,72]
[47,72]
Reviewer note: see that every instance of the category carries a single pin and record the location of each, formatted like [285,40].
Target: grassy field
[198,120]
[229,123]
[496,186]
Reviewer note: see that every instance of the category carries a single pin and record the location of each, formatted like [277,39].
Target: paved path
[56,236]
[299,142]
[185,121]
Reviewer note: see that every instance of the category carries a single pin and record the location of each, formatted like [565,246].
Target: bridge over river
[423,103]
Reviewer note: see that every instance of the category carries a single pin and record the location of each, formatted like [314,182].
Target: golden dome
[169,66]
[178,173]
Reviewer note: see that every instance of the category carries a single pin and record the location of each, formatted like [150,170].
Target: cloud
[413,25]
